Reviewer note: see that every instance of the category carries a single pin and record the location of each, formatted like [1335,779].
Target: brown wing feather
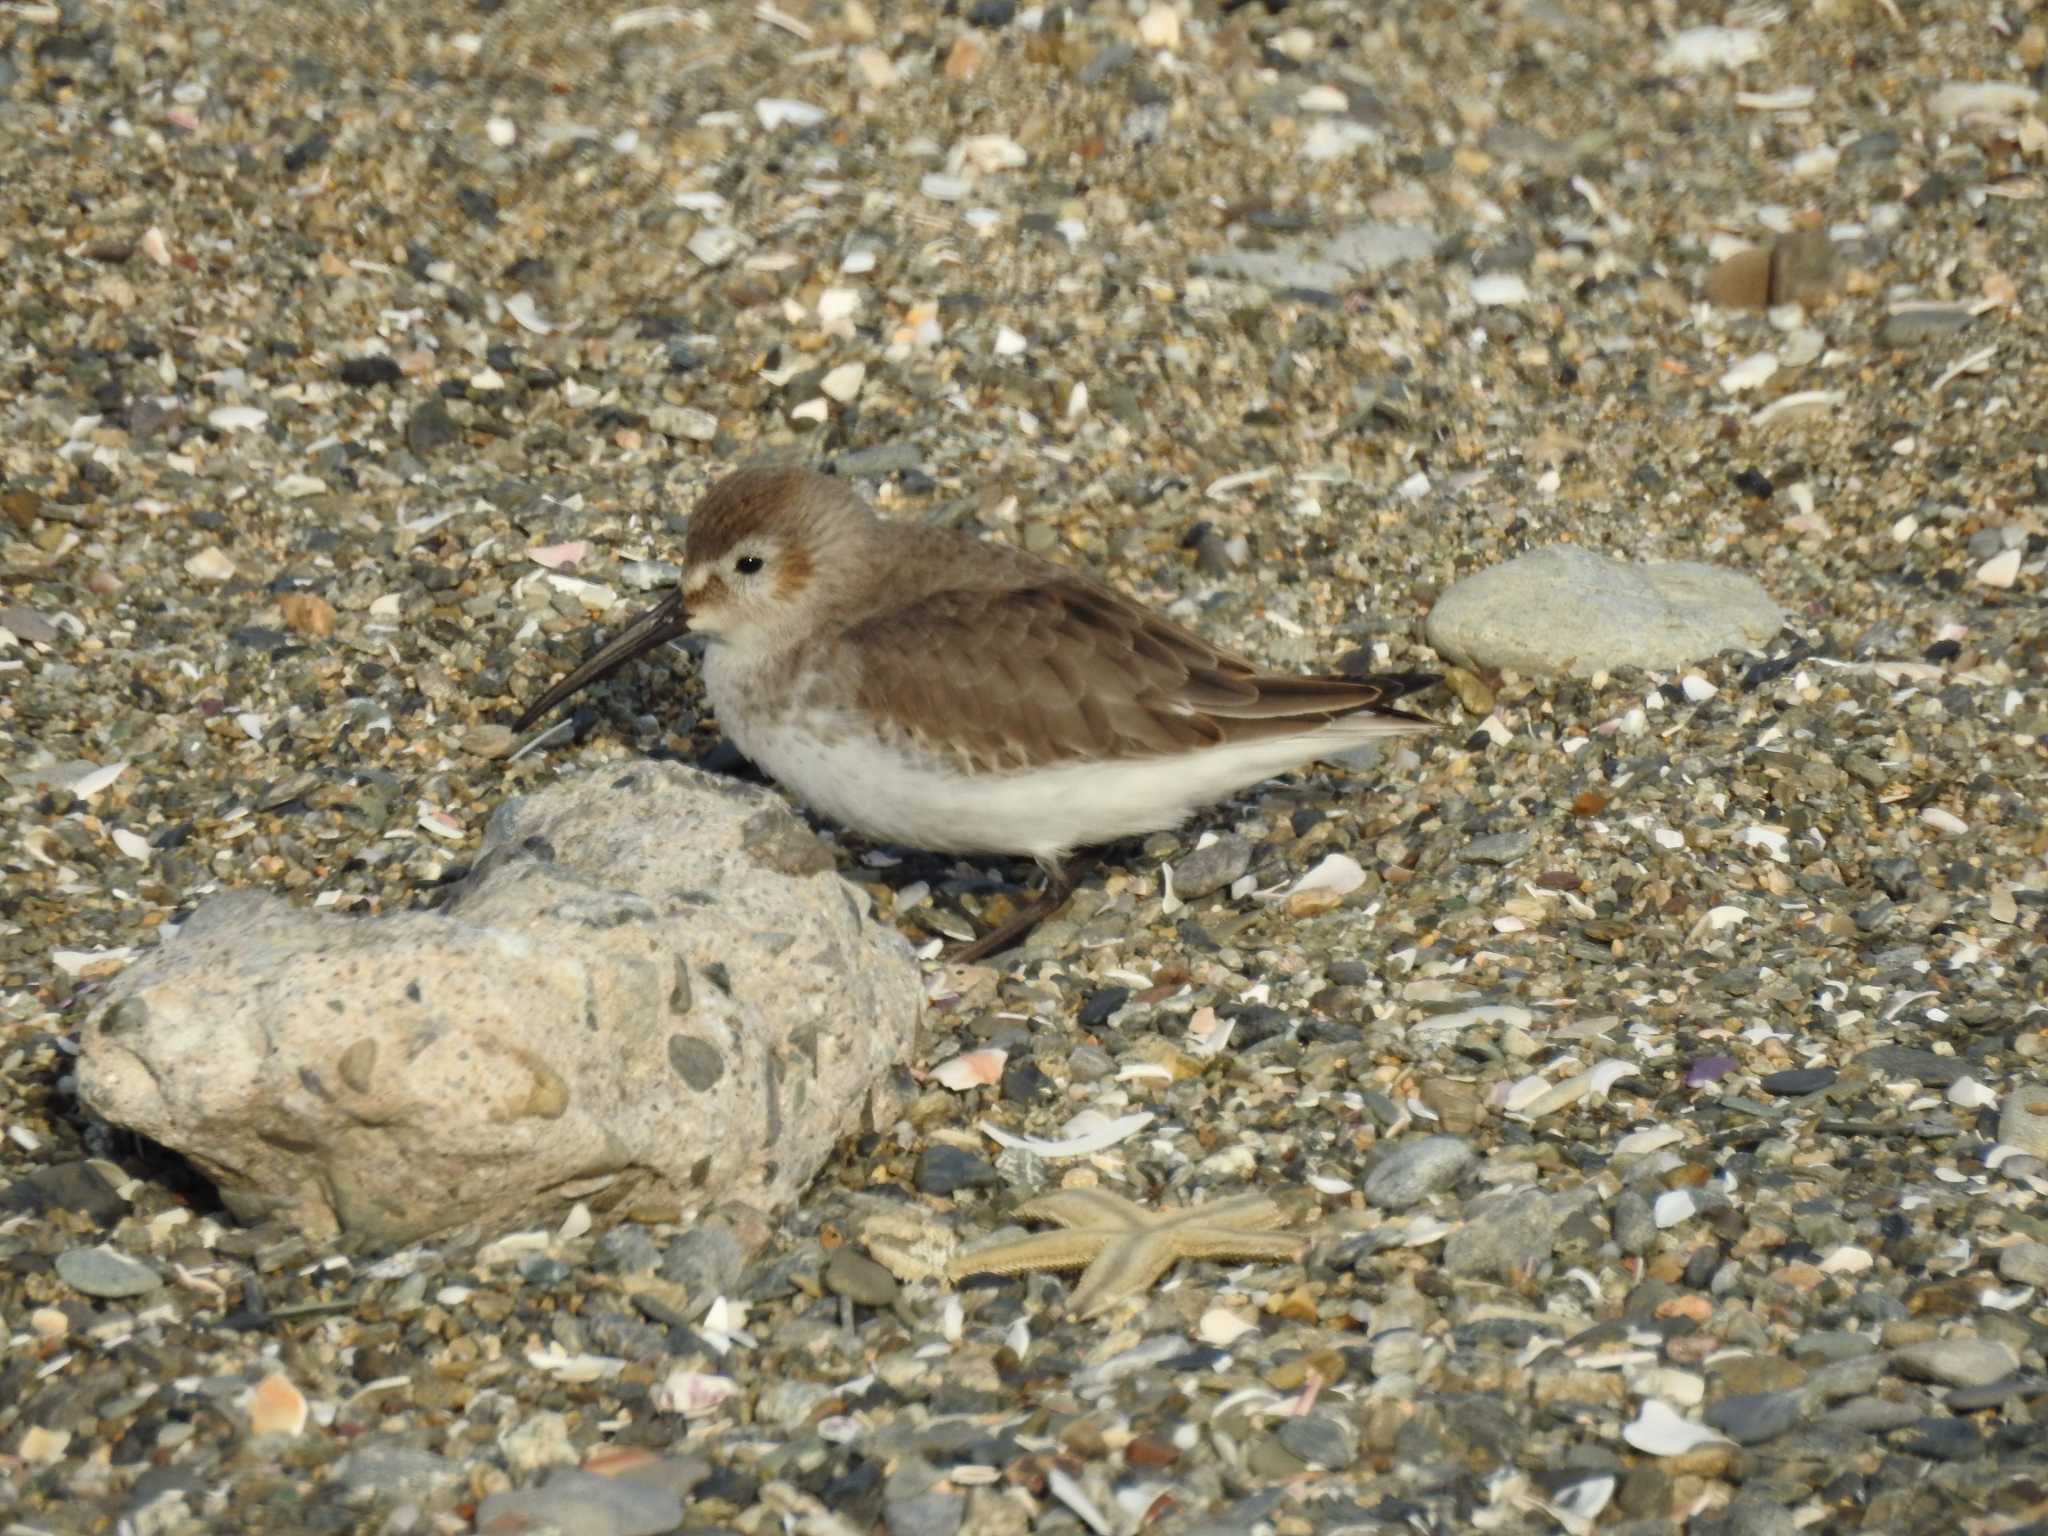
[1059,668]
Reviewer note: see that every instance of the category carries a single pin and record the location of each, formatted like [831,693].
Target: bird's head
[765,552]
[762,549]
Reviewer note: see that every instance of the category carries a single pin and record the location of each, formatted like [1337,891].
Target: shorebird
[931,689]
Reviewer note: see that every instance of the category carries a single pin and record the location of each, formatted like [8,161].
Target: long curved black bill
[657,626]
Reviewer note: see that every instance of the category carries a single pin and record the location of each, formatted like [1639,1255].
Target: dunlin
[931,689]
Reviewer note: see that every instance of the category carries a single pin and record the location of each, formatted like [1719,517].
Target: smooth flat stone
[1570,611]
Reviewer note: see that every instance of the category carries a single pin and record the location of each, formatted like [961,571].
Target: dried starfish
[1126,1247]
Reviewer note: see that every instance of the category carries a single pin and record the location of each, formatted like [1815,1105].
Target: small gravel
[1652,1056]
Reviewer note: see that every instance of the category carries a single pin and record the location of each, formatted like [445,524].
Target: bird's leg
[1060,880]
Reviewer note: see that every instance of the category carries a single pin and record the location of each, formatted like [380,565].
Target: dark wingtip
[1400,684]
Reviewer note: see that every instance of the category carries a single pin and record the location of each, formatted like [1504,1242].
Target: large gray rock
[651,973]
[1572,611]
[1358,251]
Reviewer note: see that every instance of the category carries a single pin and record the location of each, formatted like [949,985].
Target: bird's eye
[747,565]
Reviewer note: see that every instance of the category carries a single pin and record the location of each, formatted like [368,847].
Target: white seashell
[1987,98]
[1674,1206]
[296,487]
[86,785]
[1583,1501]
[559,557]
[817,408]
[1698,49]
[523,310]
[1323,98]
[1421,1231]
[987,153]
[501,131]
[1159,27]
[236,418]
[1847,1260]
[1753,370]
[250,724]
[1798,406]
[1669,837]
[1009,343]
[836,304]
[971,1069]
[2001,570]
[1089,1132]
[1563,1096]
[648,16]
[1499,290]
[1222,1327]
[714,244]
[941,188]
[1518,1096]
[1968,1093]
[692,1393]
[102,962]
[1658,1429]
[594,595]
[1773,840]
[1791,99]
[1943,821]
[441,825]
[574,1369]
[1684,1388]
[774,111]
[1697,688]
[133,844]
[1339,872]
[1324,1184]
[1601,1080]
[843,383]
[1653,1139]
[514,1245]
[1820,160]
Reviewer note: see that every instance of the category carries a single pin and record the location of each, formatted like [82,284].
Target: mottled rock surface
[650,973]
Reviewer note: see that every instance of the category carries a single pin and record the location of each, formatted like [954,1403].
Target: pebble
[1797,1083]
[579,1503]
[859,1278]
[944,1169]
[1411,1171]
[1503,1235]
[2024,1264]
[1499,847]
[935,1512]
[1621,614]
[1957,1362]
[1321,1442]
[2024,1121]
[1208,870]
[1358,251]
[1907,1063]
[107,1273]
[394,1471]
[1364,331]
[705,1261]
[1751,1418]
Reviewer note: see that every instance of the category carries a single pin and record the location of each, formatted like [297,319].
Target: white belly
[847,772]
